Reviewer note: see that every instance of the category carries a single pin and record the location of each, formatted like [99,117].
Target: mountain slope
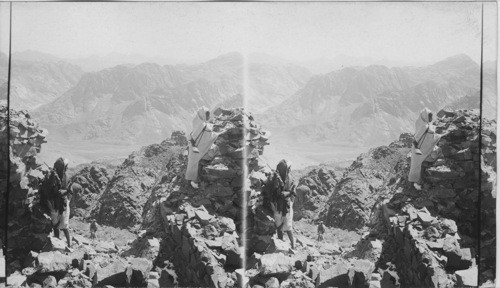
[272,80]
[370,105]
[38,82]
[142,103]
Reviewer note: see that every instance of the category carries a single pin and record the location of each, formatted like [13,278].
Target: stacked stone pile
[203,227]
[435,230]
[429,249]
[26,137]
[466,173]
[28,227]
[177,138]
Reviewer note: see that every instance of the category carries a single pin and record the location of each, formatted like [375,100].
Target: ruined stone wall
[427,248]
[199,258]
[27,225]
[435,230]
[203,226]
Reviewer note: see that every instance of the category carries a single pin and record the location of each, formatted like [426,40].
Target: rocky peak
[456,62]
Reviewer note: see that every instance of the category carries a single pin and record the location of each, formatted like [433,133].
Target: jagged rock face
[364,183]
[94,180]
[122,202]
[313,191]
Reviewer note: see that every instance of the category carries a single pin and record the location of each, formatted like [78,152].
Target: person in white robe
[201,142]
[426,139]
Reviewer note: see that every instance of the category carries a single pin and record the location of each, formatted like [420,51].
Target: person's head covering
[422,123]
[283,169]
[424,115]
[202,113]
[199,122]
[60,166]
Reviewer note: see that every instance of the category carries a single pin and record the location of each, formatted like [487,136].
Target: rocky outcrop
[431,235]
[122,202]
[94,180]
[313,191]
[364,183]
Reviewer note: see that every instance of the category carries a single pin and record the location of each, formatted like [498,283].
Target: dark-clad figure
[93,229]
[282,198]
[321,231]
[55,197]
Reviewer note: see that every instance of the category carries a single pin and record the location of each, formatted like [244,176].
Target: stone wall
[203,226]
[197,248]
[427,249]
[435,230]
[28,227]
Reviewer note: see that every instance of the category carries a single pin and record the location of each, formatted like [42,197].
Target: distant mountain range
[36,83]
[370,105]
[324,65]
[93,63]
[144,103]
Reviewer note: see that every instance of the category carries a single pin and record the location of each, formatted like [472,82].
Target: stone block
[272,283]
[276,263]
[53,261]
[467,277]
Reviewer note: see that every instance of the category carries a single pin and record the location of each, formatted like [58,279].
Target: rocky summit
[428,238]
[156,230]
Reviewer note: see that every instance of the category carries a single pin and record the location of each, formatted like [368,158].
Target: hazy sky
[415,32]
[4,27]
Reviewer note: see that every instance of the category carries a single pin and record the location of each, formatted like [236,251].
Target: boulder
[231,249]
[272,283]
[53,261]
[80,239]
[106,247]
[360,274]
[203,216]
[276,263]
[112,274]
[49,282]
[457,258]
[57,244]
[467,277]
[137,273]
[16,279]
[329,249]
[145,247]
